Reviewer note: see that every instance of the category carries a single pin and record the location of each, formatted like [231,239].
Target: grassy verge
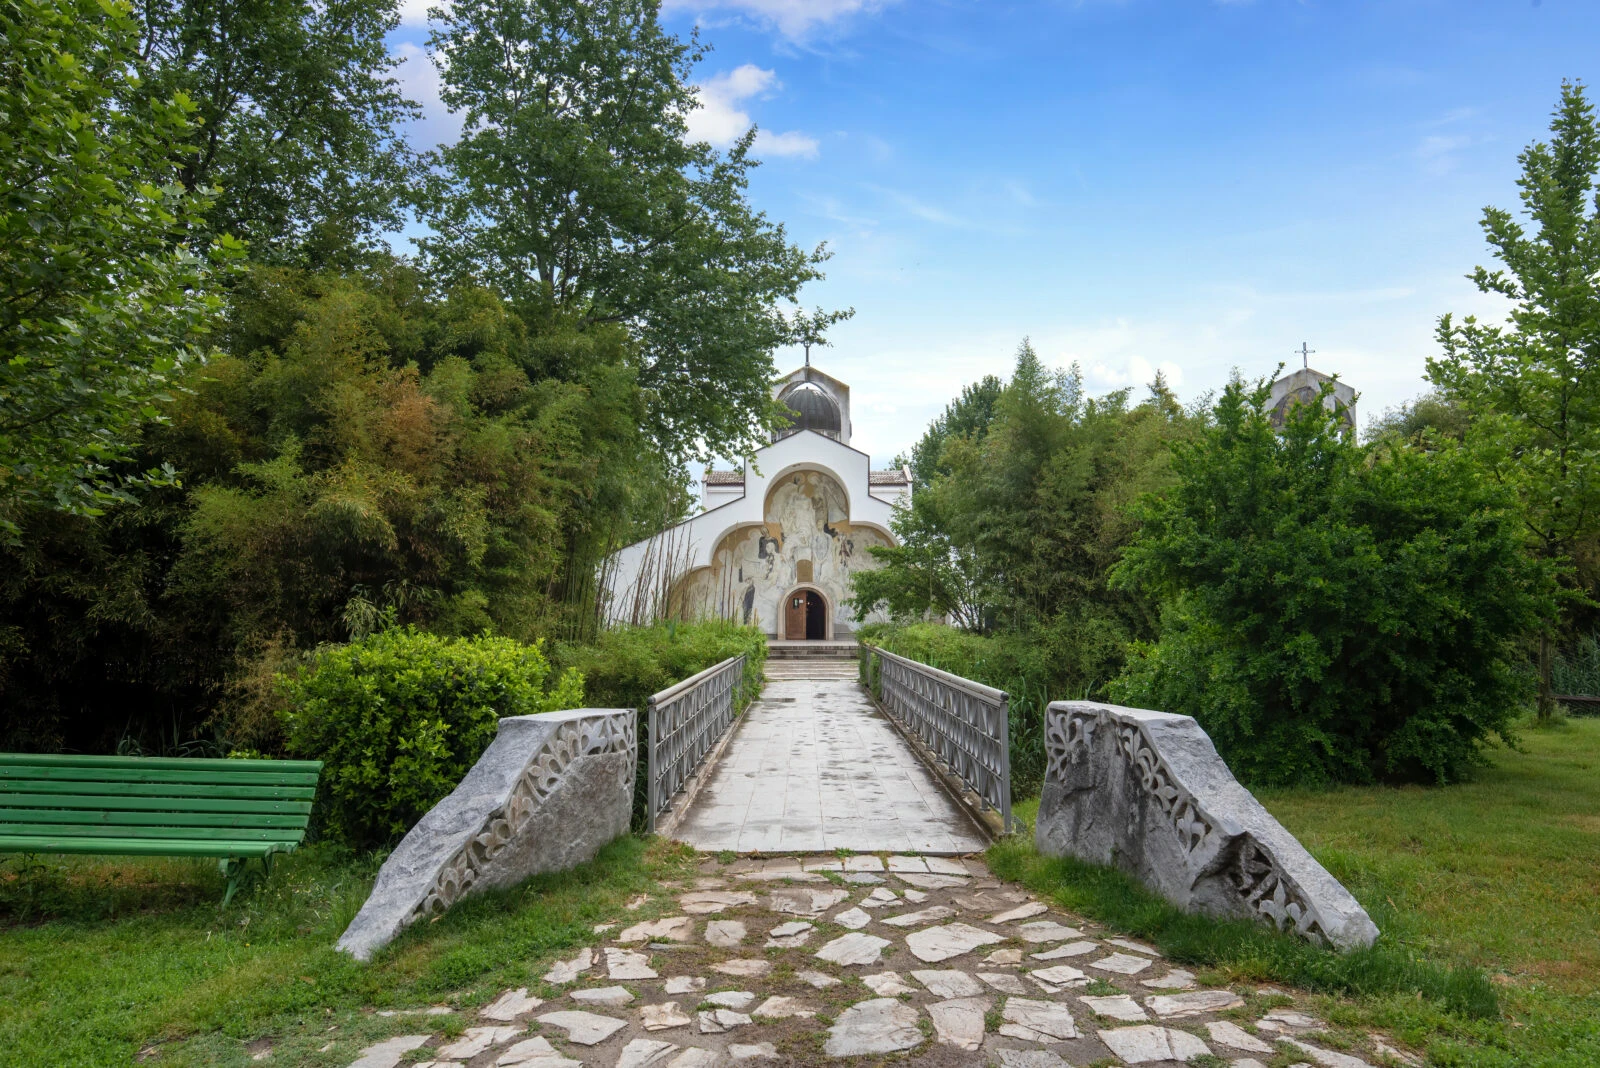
[103,962]
[1486,894]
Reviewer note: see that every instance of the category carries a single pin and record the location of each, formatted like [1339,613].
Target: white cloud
[795,19]
[420,81]
[722,119]
[415,12]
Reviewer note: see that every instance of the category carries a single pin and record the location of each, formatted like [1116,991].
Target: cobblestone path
[832,959]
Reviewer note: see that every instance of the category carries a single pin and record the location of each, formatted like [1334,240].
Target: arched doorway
[805,615]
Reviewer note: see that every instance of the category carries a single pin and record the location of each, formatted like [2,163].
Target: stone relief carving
[584,737]
[1147,792]
[549,791]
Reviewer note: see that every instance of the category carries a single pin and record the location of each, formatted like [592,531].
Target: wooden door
[795,622]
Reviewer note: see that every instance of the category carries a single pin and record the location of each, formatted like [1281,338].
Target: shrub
[1333,613]
[400,716]
[625,665]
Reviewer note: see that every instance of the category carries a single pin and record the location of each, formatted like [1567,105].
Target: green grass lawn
[1498,877]
[102,961]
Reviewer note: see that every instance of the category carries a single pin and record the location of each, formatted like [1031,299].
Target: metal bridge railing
[964,724]
[685,723]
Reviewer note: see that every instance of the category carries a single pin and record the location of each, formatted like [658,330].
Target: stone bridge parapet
[1147,793]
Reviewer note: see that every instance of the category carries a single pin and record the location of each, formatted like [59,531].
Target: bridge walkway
[813,766]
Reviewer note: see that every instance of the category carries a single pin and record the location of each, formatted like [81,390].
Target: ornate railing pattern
[965,724]
[685,722]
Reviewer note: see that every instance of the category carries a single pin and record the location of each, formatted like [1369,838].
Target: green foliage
[297,119]
[398,717]
[572,190]
[1010,662]
[1531,390]
[623,666]
[102,303]
[1333,613]
[1024,512]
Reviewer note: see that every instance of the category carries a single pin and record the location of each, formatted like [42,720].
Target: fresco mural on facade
[807,521]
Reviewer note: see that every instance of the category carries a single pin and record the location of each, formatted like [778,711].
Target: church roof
[812,410]
[725,478]
[895,477]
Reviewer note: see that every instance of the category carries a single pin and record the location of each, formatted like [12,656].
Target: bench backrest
[59,796]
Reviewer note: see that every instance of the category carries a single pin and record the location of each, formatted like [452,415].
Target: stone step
[797,650]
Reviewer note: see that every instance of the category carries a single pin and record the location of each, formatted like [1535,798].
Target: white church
[774,544]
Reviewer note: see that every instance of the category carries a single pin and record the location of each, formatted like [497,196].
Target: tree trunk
[1547,701]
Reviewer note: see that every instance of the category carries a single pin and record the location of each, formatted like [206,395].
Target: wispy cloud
[722,119]
[415,12]
[420,81]
[794,19]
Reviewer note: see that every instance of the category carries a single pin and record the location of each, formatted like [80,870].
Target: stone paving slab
[813,767]
[714,1002]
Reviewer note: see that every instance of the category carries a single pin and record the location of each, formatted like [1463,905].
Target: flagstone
[1194,1003]
[863,862]
[1047,931]
[668,929]
[779,1007]
[1004,956]
[613,997]
[852,918]
[930,882]
[536,1052]
[916,897]
[959,1022]
[725,934]
[510,1005]
[1030,1058]
[1137,947]
[1116,1007]
[882,1025]
[1021,912]
[685,984]
[879,898]
[718,1021]
[1176,979]
[1141,1045]
[934,944]
[945,866]
[645,1053]
[802,902]
[756,1051]
[474,1040]
[584,1028]
[387,1054]
[695,1057]
[1037,1021]
[1071,949]
[1287,1020]
[862,878]
[1003,982]
[628,964]
[888,984]
[853,949]
[567,971]
[899,864]
[1327,1058]
[703,902]
[1231,1034]
[949,984]
[927,915]
[1060,975]
[790,935]
[820,980]
[664,1016]
[745,968]
[1121,964]
[738,1000]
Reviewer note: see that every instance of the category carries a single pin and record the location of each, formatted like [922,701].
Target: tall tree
[101,301]
[1532,388]
[573,191]
[298,119]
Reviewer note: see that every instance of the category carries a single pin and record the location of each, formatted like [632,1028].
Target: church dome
[810,409]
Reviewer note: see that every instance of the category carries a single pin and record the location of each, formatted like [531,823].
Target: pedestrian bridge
[814,764]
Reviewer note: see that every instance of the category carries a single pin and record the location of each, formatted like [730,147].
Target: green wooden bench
[234,810]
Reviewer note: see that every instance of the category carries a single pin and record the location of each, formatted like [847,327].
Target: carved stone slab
[1147,792]
[545,796]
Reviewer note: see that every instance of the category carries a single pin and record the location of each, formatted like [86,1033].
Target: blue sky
[1184,184]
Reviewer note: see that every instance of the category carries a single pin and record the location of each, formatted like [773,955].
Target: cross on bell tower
[1304,352]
